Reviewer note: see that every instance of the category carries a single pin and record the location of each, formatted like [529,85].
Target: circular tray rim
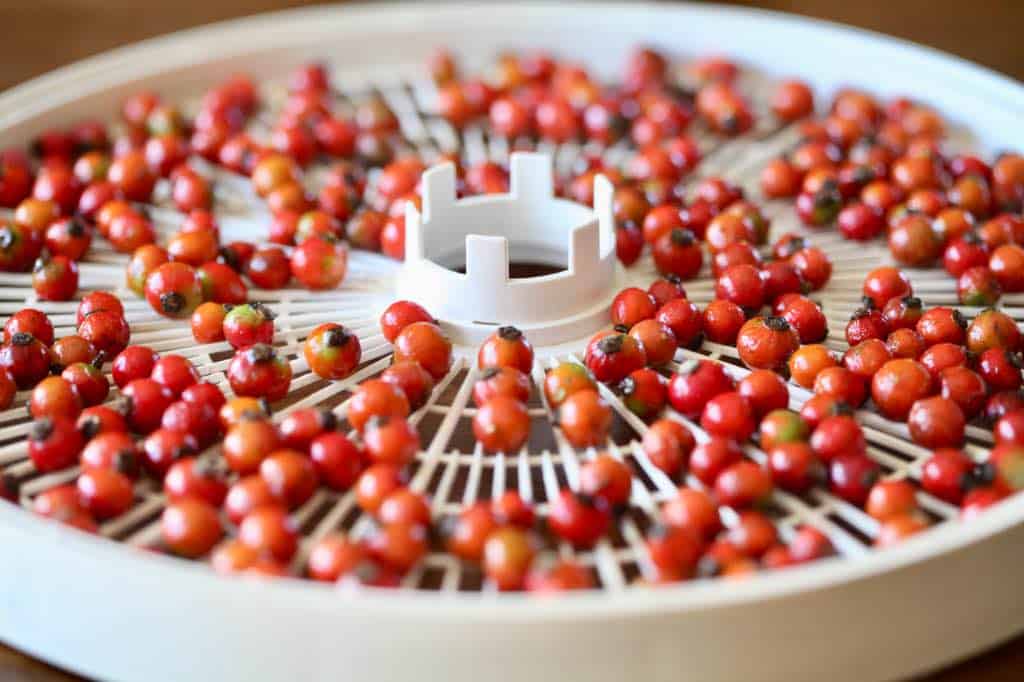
[222,40]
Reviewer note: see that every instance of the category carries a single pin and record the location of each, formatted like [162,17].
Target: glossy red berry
[743,484]
[319,264]
[946,474]
[611,356]
[19,246]
[290,476]
[665,289]
[722,321]
[338,461]
[269,268]
[25,359]
[207,322]
[427,344]
[105,493]
[964,253]
[221,284]
[54,443]
[417,384]
[503,381]
[55,278]
[259,371]
[190,477]
[993,329]
[729,415]
[507,347]
[579,519]
[684,320]
[106,331]
[400,315]
[134,362]
[851,477]
[29,321]
[657,340]
[897,385]
[271,531]
[804,316]
[794,466]
[766,343]
[508,553]
[376,398]
[332,351]
[175,372]
[147,400]
[813,266]
[88,382]
[765,390]
[643,392]
[564,380]
[678,253]
[902,313]
[174,290]
[502,424]
[695,384]
[864,324]
[742,285]
[942,325]
[860,222]
[190,527]
[585,419]
[160,449]
[1000,369]
[1007,265]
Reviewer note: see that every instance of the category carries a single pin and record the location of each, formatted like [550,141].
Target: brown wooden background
[42,34]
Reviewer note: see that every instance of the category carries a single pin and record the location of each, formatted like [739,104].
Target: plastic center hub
[489,232]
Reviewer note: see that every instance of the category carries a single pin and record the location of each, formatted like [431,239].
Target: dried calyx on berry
[263,309]
[230,258]
[21,339]
[89,426]
[981,475]
[337,336]
[509,333]
[41,429]
[6,237]
[681,237]
[610,344]
[328,420]
[261,352]
[76,227]
[126,463]
[172,302]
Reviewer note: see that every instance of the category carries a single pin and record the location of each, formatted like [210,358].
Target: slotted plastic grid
[451,468]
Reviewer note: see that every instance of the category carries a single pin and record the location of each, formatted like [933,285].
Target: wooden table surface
[47,34]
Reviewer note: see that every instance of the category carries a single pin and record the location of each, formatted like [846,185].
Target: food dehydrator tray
[116,611]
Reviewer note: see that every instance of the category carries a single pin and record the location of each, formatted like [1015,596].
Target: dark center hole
[522,269]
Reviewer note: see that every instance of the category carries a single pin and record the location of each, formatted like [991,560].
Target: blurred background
[44,34]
